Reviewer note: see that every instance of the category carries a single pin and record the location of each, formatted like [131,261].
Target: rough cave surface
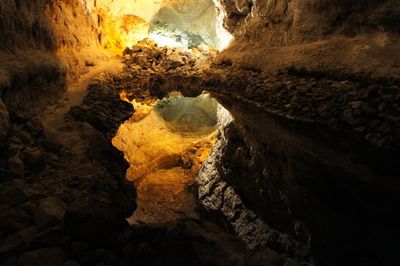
[303,169]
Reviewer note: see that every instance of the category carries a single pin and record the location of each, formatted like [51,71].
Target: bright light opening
[186,24]
[224,36]
[162,40]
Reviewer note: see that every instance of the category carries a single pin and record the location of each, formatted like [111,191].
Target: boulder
[16,167]
[34,159]
[174,60]
[95,223]
[35,127]
[11,194]
[11,245]
[13,261]
[79,247]
[105,256]
[18,242]
[222,59]
[136,48]
[44,257]
[142,61]
[51,237]
[4,120]
[50,212]
[13,220]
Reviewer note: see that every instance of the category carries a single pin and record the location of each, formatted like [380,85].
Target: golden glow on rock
[164,156]
[132,30]
[224,36]
[152,143]
[162,40]
[123,31]
[122,23]
[166,142]
[142,109]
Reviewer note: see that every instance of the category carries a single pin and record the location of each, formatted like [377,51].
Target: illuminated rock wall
[358,36]
[195,17]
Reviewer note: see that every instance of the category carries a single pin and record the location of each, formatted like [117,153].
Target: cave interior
[199,132]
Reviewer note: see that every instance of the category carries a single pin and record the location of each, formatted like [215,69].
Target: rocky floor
[64,197]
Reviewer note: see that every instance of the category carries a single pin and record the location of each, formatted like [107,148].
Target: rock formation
[304,168]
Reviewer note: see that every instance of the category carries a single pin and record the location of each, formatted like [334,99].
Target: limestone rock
[50,212]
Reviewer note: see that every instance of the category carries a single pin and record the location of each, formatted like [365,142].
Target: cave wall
[330,36]
[340,198]
[46,43]
[42,45]
[25,44]
[301,183]
[195,17]
[323,185]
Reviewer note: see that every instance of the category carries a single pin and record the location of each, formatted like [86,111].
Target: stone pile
[151,71]
[148,56]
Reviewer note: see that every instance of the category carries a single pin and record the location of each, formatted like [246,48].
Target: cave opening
[185,24]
